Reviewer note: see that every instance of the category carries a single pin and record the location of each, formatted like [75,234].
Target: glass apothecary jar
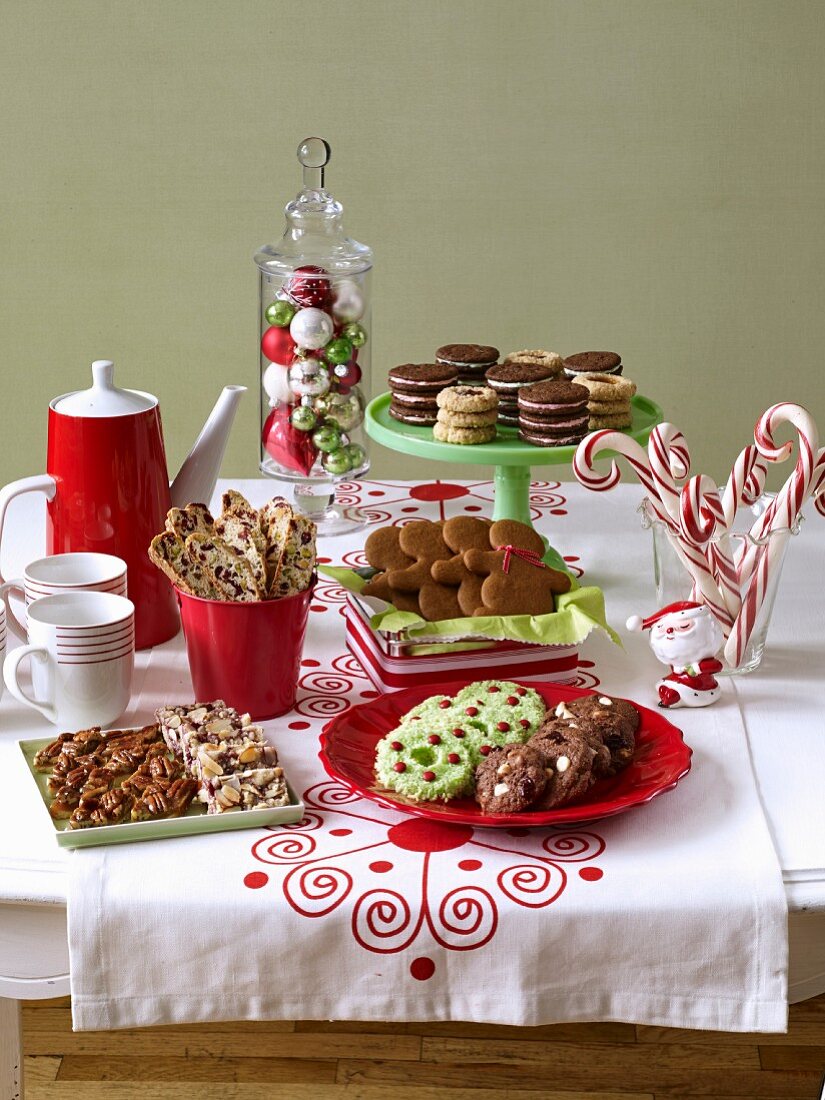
[315,334]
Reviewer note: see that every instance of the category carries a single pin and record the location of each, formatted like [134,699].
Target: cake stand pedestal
[511,458]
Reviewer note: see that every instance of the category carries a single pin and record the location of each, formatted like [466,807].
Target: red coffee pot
[108,488]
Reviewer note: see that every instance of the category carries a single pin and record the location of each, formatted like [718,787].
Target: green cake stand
[511,457]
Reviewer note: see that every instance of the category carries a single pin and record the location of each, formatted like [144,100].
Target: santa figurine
[685,636]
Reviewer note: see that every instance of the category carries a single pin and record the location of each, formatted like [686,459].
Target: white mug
[75,572]
[82,646]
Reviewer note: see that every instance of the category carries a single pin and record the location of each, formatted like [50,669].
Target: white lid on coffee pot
[103,398]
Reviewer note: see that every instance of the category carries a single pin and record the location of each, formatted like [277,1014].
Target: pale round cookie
[607,387]
[617,421]
[608,408]
[445,433]
[468,399]
[538,356]
[467,420]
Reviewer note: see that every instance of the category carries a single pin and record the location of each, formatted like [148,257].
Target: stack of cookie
[514,374]
[608,405]
[244,555]
[466,414]
[414,388]
[592,362]
[464,566]
[471,361]
[553,414]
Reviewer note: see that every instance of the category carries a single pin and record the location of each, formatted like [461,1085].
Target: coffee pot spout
[198,475]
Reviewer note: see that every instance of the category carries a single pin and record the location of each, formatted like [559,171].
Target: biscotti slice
[276,518]
[234,503]
[297,562]
[250,790]
[225,567]
[170,555]
[245,537]
[186,521]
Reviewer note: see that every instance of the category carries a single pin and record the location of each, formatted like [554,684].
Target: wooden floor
[342,1061]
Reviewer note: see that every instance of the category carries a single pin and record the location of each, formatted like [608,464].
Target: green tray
[195,821]
[511,457]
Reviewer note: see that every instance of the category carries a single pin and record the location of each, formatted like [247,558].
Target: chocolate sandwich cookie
[552,414]
[508,379]
[593,362]
[469,360]
[414,388]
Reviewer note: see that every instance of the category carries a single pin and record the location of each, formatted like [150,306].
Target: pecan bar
[110,808]
[250,790]
[159,801]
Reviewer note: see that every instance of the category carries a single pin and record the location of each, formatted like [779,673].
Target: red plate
[348,751]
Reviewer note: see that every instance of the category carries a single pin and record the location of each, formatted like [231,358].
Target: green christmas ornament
[280,313]
[356,334]
[303,418]
[356,455]
[336,462]
[346,410]
[327,438]
[338,350]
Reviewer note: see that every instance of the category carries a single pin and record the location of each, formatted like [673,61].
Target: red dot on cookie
[434,739]
[397,746]
[458,733]
[493,689]
[454,758]
[472,711]
[524,723]
[512,701]
[502,727]
[485,750]
[521,691]
[429,776]
[445,703]
[400,766]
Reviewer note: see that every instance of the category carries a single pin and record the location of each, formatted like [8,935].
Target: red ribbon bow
[530,556]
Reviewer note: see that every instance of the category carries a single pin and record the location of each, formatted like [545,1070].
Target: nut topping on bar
[155,772]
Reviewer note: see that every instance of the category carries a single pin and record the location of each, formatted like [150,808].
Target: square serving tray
[194,822]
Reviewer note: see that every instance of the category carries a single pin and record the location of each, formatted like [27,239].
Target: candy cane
[669,462]
[818,491]
[704,523]
[672,460]
[789,500]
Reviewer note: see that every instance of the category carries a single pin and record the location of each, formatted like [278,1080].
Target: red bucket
[248,654]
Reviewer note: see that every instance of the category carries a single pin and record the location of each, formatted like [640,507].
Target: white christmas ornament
[348,301]
[309,378]
[311,328]
[276,384]
[687,637]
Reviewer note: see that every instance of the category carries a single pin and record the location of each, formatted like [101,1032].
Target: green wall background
[640,175]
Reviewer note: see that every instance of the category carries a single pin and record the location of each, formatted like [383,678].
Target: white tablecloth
[673,914]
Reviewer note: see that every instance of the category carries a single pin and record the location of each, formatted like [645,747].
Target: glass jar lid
[314,232]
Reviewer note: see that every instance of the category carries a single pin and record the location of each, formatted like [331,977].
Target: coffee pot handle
[41,483]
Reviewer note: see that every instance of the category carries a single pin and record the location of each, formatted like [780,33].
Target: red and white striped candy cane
[673,461]
[818,491]
[704,524]
[789,500]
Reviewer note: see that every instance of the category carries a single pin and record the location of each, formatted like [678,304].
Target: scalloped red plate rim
[369,721]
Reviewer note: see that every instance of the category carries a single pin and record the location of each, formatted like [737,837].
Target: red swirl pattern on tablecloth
[324,869]
[381,864]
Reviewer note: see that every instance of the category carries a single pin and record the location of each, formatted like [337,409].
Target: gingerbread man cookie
[516,580]
[424,543]
[463,533]
[383,552]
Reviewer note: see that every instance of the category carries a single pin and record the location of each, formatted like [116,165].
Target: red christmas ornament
[278,346]
[347,375]
[292,448]
[306,289]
